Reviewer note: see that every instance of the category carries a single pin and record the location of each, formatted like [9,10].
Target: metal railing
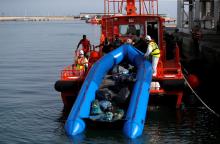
[71,72]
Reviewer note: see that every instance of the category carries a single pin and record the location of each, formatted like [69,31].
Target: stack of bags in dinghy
[108,106]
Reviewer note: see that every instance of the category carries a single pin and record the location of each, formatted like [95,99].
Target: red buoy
[193,80]
[94,55]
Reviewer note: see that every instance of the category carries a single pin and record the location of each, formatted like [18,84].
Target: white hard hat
[81,52]
[129,41]
[148,37]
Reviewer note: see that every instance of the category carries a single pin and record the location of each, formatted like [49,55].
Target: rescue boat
[71,80]
[94,20]
[78,87]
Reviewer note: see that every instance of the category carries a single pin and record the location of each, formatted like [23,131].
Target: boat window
[129,30]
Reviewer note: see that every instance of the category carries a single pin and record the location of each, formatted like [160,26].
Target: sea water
[32,54]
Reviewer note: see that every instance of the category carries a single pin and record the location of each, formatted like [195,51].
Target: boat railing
[130,7]
[168,72]
[72,73]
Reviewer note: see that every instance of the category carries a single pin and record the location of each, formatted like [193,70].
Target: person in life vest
[153,53]
[81,61]
[86,46]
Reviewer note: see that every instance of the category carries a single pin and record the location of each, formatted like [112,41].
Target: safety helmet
[129,41]
[148,38]
[81,52]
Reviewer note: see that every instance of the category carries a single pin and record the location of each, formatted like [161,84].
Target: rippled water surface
[31,57]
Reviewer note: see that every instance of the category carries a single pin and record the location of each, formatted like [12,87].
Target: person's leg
[154,65]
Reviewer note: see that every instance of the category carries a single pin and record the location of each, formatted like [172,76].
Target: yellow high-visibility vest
[80,63]
[80,67]
[155,49]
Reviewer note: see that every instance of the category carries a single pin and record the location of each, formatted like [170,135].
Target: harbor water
[32,54]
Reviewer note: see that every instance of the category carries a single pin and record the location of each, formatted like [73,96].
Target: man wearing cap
[153,53]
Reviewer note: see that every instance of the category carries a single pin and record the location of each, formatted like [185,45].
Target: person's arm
[78,44]
[149,50]
[99,45]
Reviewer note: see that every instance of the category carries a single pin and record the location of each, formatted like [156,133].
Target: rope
[197,96]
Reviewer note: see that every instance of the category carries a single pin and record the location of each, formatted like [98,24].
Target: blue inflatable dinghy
[137,108]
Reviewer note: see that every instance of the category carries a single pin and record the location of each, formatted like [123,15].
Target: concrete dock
[36,18]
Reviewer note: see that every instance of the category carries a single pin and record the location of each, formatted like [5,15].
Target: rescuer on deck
[81,61]
[153,53]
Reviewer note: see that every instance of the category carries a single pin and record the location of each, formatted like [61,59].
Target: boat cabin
[133,27]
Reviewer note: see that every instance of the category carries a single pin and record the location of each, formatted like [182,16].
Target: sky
[66,7]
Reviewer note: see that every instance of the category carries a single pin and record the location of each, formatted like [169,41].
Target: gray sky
[66,7]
